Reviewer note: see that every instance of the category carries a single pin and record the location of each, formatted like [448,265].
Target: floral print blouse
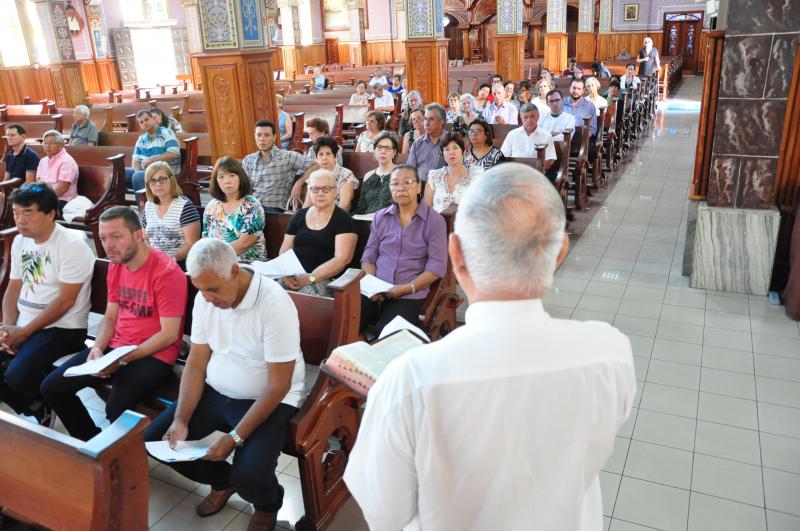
[247,219]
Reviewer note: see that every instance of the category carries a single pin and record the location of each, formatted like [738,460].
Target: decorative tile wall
[218,24]
[605,16]
[424,18]
[586,16]
[250,24]
[651,13]
[556,16]
[509,17]
[58,16]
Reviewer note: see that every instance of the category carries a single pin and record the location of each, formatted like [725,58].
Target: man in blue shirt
[21,161]
[156,143]
[580,107]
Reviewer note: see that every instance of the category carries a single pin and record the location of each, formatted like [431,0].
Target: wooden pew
[58,482]
[204,152]
[37,125]
[6,212]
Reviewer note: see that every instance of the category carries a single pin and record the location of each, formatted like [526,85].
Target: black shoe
[44,414]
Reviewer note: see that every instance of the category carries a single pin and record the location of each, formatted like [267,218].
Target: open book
[358,365]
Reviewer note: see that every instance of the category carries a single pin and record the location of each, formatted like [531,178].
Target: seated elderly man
[500,111]
[384,100]
[84,131]
[426,151]
[523,464]
[244,376]
[522,142]
[58,168]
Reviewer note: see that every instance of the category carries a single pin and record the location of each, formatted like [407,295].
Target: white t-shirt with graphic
[64,257]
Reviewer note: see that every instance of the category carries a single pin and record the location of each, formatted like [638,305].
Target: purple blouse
[401,254]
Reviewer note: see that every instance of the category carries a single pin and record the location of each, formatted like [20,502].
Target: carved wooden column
[509,45]
[536,34]
[426,50]
[465,41]
[236,71]
[555,41]
[584,42]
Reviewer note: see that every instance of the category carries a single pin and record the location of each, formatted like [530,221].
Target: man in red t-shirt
[146,303]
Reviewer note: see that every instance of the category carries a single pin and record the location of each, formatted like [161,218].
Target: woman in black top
[323,237]
[482,151]
[375,193]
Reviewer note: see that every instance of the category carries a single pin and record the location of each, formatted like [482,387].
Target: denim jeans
[134,179]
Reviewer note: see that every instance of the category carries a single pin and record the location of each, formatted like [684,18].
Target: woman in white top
[170,221]
[360,96]
[630,79]
[543,86]
[326,150]
[446,185]
[593,94]
[375,123]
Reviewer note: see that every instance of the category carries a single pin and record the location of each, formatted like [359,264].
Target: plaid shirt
[273,179]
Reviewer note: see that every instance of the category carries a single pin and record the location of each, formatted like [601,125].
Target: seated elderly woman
[375,123]
[407,248]
[326,150]
[284,123]
[482,151]
[323,237]
[170,220]
[234,215]
[446,185]
[414,102]
[375,193]
[360,96]
[318,127]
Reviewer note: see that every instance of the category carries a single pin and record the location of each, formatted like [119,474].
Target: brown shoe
[262,521]
[214,502]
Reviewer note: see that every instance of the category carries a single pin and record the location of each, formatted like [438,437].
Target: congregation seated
[612,91]
[234,215]
[414,102]
[455,113]
[20,160]
[556,120]
[168,121]
[417,118]
[483,99]
[580,107]
[407,248]
[326,149]
[147,294]
[630,79]
[593,94]
[384,100]
[543,86]
[375,122]
[58,169]
[285,125]
[397,85]
[84,131]
[600,70]
[482,152]
[272,170]
[318,127]
[522,141]
[322,236]
[570,70]
[426,153]
[360,96]
[510,87]
[623,54]
[469,114]
[446,185]
[375,193]
[46,302]
[170,220]
[155,143]
[378,77]
[319,81]
[244,376]
[524,95]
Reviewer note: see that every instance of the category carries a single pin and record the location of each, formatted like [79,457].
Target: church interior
[681,195]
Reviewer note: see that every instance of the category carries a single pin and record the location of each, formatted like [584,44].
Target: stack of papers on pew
[285,265]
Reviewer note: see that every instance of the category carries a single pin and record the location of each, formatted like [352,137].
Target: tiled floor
[714,440]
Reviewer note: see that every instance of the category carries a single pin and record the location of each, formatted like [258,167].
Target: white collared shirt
[503,424]
[386,100]
[262,329]
[507,111]
[518,143]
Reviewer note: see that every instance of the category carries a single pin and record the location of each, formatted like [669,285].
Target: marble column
[555,40]
[509,44]
[356,40]
[724,260]
[604,47]
[291,56]
[584,42]
[426,50]
[192,17]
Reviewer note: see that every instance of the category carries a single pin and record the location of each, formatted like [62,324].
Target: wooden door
[572,31]
[455,46]
[490,32]
[331,50]
[682,37]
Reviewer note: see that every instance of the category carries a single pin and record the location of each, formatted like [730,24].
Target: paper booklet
[358,365]
[97,365]
[183,451]
[285,265]
[372,285]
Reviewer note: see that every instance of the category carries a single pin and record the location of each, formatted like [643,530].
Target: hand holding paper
[372,285]
[183,451]
[96,366]
[285,265]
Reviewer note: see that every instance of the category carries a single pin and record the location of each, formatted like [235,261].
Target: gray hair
[469,97]
[512,216]
[415,93]
[528,107]
[439,109]
[322,174]
[55,134]
[83,110]
[213,254]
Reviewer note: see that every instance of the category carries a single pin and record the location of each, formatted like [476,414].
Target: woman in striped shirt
[170,221]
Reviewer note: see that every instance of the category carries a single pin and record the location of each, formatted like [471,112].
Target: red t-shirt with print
[157,289]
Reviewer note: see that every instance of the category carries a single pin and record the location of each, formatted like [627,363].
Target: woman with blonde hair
[375,123]
[593,94]
[543,86]
[170,220]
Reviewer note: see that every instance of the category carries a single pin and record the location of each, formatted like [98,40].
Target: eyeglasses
[404,184]
[323,189]
[554,101]
[475,131]
[32,187]
[160,180]
[383,147]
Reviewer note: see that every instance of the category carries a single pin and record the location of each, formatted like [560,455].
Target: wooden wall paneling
[510,54]
[313,55]
[261,88]
[289,62]
[701,58]
[610,44]
[708,115]
[490,33]
[197,77]
[398,51]
[344,53]
[108,74]
[220,91]
[379,52]
[18,82]
[555,51]
[74,88]
[91,77]
[584,46]
[59,85]
[426,68]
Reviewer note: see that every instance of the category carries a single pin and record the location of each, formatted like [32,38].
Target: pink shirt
[61,167]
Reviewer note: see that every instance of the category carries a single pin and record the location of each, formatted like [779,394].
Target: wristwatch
[237,441]
[311,278]
[122,362]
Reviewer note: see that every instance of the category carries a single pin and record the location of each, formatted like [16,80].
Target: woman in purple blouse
[407,247]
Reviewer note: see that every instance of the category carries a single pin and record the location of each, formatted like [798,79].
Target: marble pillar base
[734,249]
[688,246]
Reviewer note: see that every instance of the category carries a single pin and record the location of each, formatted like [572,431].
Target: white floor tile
[782,392]
[728,479]
[709,513]
[728,442]
[660,464]
[777,521]
[779,452]
[728,383]
[675,374]
[667,399]
[184,518]
[662,428]
[651,504]
[728,410]
[677,351]
[782,491]
[728,359]
[780,420]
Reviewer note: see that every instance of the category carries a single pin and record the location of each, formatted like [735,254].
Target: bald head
[512,218]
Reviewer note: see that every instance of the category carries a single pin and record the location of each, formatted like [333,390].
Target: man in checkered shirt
[272,170]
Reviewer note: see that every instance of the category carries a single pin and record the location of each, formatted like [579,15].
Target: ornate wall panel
[605,16]
[556,16]
[218,24]
[586,16]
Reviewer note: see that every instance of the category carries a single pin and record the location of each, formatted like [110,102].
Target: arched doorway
[455,46]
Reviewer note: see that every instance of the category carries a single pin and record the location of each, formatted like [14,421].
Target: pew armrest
[126,423]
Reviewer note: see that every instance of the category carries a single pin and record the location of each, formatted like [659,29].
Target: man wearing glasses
[426,154]
[46,304]
[556,121]
[58,168]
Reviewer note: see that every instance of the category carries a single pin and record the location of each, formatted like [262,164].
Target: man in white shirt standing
[556,121]
[500,111]
[46,304]
[503,424]
[522,142]
[244,376]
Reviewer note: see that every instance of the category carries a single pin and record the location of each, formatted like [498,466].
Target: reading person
[502,424]
[146,301]
[244,376]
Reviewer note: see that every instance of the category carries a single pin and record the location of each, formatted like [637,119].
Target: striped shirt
[166,233]
[164,141]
